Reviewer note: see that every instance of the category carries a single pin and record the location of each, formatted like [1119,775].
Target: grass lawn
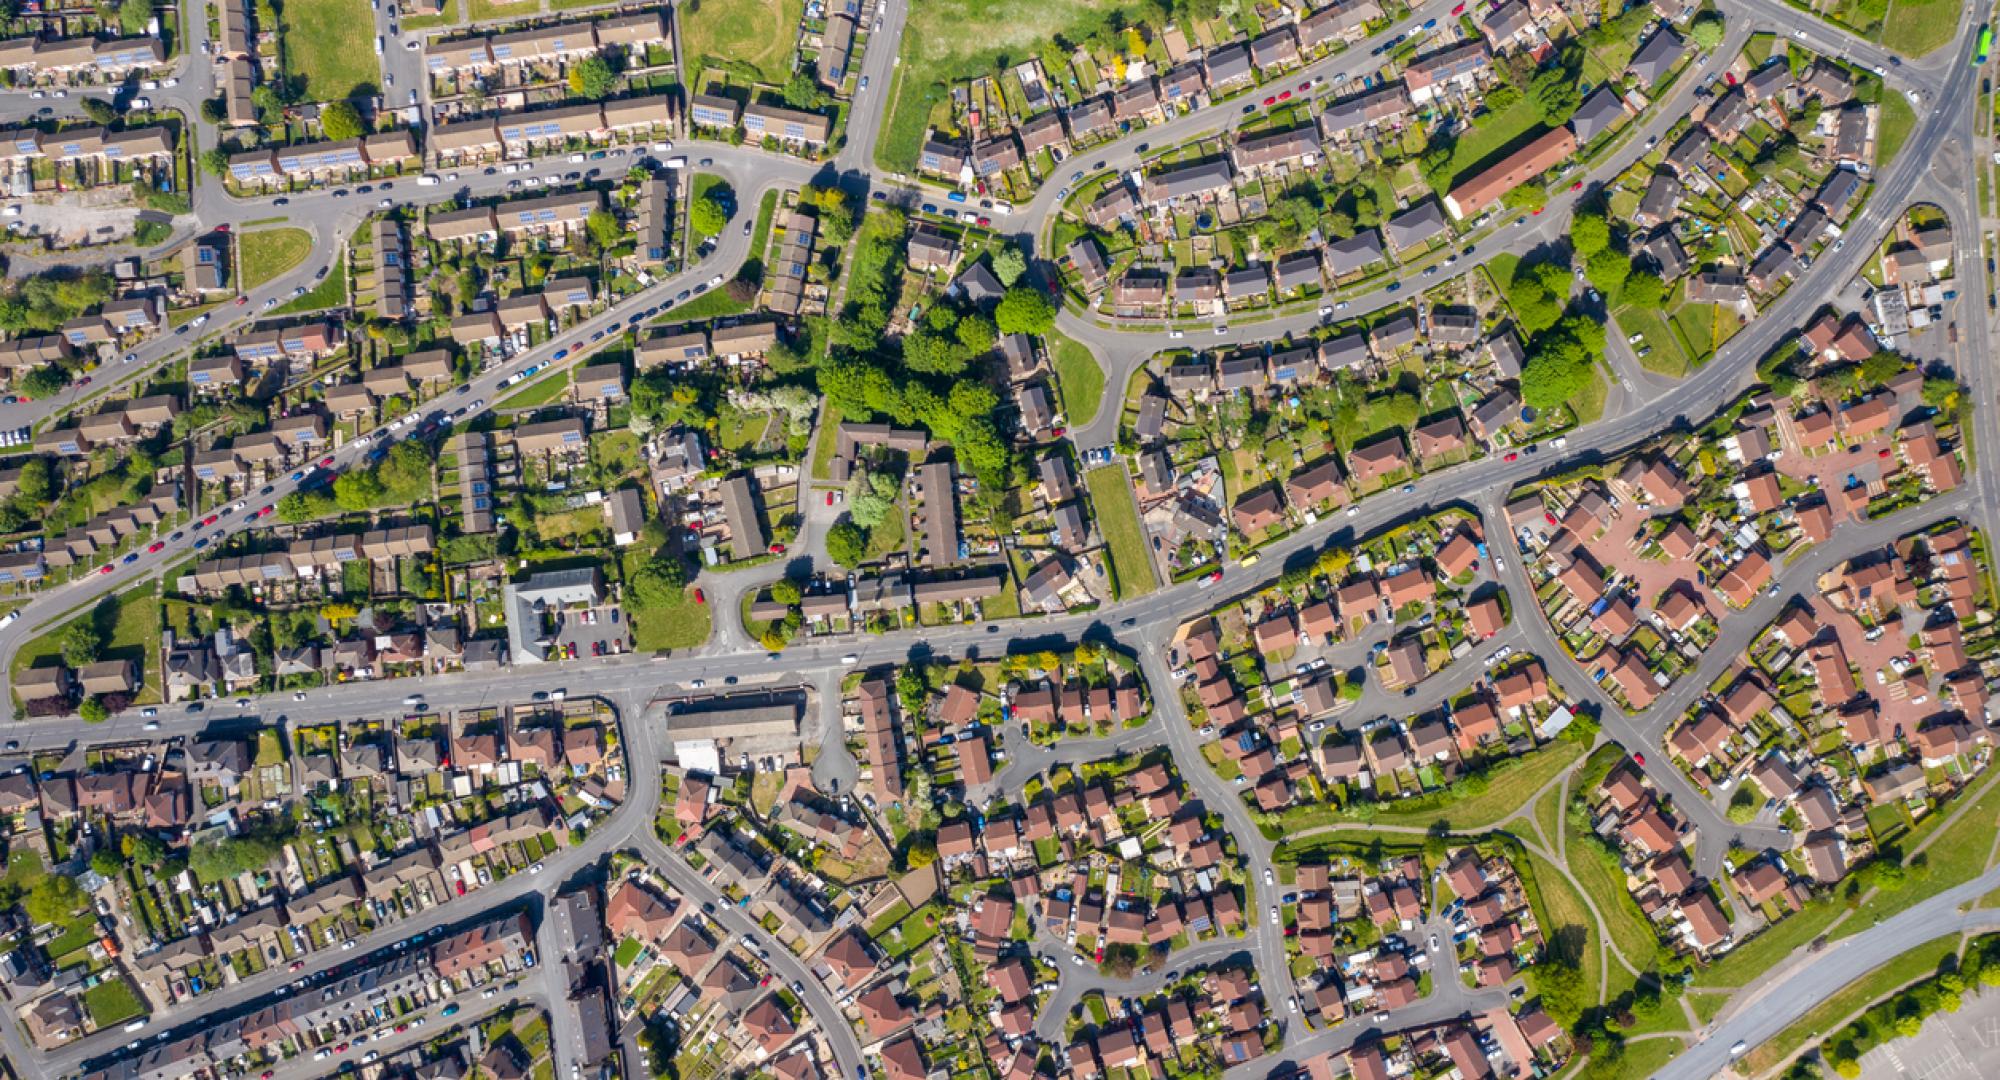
[1893,129]
[1588,404]
[1666,357]
[328,44]
[268,253]
[682,626]
[112,1002]
[128,624]
[752,37]
[537,393]
[1643,1058]
[1118,517]
[1078,379]
[1548,815]
[1918,963]
[1560,910]
[953,40]
[713,304]
[1599,874]
[826,439]
[1508,787]
[329,293]
[1762,952]
[1491,135]
[1954,857]
[760,240]
[1916,27]
[628,951]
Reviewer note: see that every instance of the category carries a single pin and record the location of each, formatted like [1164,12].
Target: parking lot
[583,631]
[1964,1044]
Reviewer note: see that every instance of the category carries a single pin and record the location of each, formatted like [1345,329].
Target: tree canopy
[340,120]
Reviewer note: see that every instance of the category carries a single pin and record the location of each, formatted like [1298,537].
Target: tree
[215,161]
[81,643]
[1706,31]
[54,898]
[1555,93]
[45,381]
[846,544]
[604,228]
[1559,986]
[107,862]
[593,78]
[1643,289]
[659,583]
[1555,374]
[340,120]
[1607,271]
[1880,368]
[99,110]
[134,16]
[1940,394]
[213,110]
[93,711]
[1589,233]
[707,216]
[148,850]
[1525,197]
[802,90]
[1024,311]
[1009,264]
[785,591]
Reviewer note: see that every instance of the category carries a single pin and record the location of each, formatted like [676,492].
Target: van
[850,660]
[428,180]
[378,45]
[136,1025]
[10,618]
[677,163]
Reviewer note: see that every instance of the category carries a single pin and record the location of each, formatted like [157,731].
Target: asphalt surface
[1930,167]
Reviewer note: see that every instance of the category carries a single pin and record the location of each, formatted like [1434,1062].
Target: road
[1931,166]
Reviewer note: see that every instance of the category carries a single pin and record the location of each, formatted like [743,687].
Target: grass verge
[267,253]
[1118,518]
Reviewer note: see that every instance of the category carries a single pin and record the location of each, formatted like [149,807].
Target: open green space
[1479,802]
[1893,127]
[1758,955]
[128,627]
[330,45]
[1078,379]
[953,40]
[1490,135]
[541,392]
[330,292]
[1917,27]
[751,38]
[1955,855]
[1118,518]
[1918,963]
[1601,877]
[1663,352]
[267,253]
[1564,917]
[682,626]
[112,1002]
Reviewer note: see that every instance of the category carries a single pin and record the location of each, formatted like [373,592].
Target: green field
[330,45]
[1118,518]
[128,624]
[1893,129]
[1955,855]
[548,389]
[112,1002]
[1771,945]
[1599,874]
[1492,134]
[331,292]
[948,40]
[746,37]
[1916,27]
[1078,379]
[1503,789]
[682,626]
[1559,910]
[1918,963]
[265,254]
[1666,357]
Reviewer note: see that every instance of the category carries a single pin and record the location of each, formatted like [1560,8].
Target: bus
[1985,45]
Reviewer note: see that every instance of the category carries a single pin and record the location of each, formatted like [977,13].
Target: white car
[152,725]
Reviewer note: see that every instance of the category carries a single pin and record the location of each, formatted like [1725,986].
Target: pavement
[1932,166]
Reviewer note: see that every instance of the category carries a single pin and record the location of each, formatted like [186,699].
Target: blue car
[132,558]
[560,353]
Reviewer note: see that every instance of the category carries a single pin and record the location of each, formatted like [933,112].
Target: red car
[1284,95]
[211,519]
[222,228]
[1305,86]
[326,462]
[578,347]
[829,498]
[267,511]
[1272,100]
[985,221]
[1640,758]
[154,547]
[242,300]
[1511,456]
[297,965]
[85,381]
[105,569]
[1457,11]
[341,1049]
[777,549]
[1578,186]
[1538,211]
[700,597]
[461,888]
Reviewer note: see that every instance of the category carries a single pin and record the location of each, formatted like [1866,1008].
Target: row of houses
[556,42]
[323,161]
[65,58]
[527,131]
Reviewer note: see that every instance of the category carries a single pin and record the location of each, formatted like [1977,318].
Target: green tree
[707,216]
[1880,368]
[81,643]
[99,110]
[107,862]
[785,591]
[1009,264]
[148,850]
[1559,986]
[1589,233]
[802,90]
[1706,31]
[134,16]
[1528,196]
[1643,289]
[54,898]
[45,381]
[213,110]
[593,78]
[1024,311]
[659,583]
[846,544]
[1941,394]
[1555,94]
[1607,271]
[1557,372]
[93,711]
[215,161]
[604,229]
[340,120]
